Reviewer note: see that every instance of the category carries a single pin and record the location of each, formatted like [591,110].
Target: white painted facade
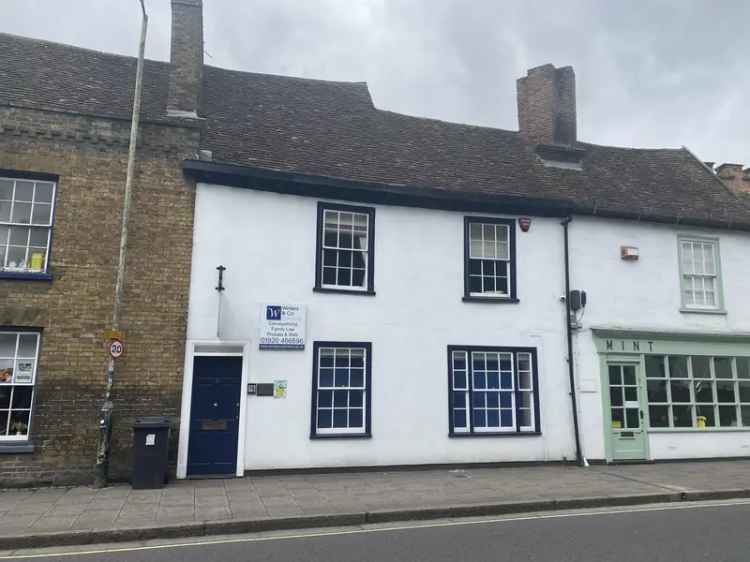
[644,295]
[267,242]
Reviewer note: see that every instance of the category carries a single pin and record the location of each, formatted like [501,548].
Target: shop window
[341,389]
[698,391]
[493,390]
[700,277]
[18,363]
[489,259]
[345,259]
[26,214]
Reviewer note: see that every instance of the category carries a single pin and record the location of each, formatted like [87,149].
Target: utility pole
[105,421]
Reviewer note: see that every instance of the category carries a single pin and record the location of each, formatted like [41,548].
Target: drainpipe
[105,421]
[569,329]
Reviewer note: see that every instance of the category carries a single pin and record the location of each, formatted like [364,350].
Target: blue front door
[214,415]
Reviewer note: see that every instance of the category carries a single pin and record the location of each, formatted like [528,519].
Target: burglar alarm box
[629,253]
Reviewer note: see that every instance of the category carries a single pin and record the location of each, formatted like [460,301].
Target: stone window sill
[324,436]
[497,434]
[719,311]
[331,290]
[492,300]
[25,276]
[16,447]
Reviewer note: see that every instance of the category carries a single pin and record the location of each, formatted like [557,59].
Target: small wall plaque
[279,389]
[265,389]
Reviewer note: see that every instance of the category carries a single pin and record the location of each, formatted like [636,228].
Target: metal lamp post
[105,420]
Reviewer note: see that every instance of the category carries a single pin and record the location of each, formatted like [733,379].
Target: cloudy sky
[655,74]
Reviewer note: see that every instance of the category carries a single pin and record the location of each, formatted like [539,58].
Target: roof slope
[333,129]
[42,75]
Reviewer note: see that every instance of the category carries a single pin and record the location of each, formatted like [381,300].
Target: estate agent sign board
[282,326]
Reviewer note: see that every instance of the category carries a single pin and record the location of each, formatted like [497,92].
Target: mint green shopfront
[674,395]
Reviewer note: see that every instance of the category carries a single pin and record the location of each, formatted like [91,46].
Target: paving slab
[48,524]
[175,513]
[16,526]
[260,503]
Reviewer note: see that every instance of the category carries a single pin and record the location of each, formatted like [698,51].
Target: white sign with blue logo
[282,326]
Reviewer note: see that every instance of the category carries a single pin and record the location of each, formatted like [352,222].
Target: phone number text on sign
[282,326]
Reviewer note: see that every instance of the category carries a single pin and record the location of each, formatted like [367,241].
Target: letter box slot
[214,425]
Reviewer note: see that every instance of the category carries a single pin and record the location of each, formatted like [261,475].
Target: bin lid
[151,422]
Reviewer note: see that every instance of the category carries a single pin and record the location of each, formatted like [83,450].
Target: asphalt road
[716,532]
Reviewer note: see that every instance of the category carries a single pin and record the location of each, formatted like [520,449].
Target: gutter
[580,460]
[308,185]
[661,219]
[311,185]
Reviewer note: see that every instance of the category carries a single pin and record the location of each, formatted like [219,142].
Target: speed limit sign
[116,348]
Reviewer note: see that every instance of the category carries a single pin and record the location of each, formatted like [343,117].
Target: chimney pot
[186,57]
[547,105]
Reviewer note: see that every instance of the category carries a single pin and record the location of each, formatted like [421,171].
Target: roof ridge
[632,148]
[454,123]
[286,77]
[501,130]
[75,47]
[229,70]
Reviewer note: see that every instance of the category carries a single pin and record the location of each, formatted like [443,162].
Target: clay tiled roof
[333,129]
[42,75]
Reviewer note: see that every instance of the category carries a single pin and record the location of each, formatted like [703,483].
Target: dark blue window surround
[490,260]
[345,253]
[341,390]
[492,391]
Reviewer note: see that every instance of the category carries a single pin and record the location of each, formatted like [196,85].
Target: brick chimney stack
[186,57]
[547,105]
[734,177]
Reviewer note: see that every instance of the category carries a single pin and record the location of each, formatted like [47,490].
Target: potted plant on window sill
[19,429]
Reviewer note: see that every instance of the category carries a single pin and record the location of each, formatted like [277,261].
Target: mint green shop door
[625,413]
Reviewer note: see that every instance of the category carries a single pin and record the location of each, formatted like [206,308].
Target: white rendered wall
[645,294]
[267,243]
[688,445]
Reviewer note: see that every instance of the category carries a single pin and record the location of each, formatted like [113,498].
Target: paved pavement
[197,507]
[686,532]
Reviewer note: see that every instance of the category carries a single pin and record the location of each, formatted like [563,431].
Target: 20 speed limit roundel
[116,348]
